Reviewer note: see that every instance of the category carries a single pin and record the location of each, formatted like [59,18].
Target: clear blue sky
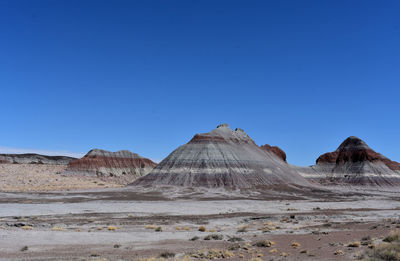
[147,75]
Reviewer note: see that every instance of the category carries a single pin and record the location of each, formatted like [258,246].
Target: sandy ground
[43,177]
[130,224]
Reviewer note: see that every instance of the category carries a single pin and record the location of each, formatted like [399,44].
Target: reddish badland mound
[276,150]
[354,162]
[354,150]
[124,165]
[222,158]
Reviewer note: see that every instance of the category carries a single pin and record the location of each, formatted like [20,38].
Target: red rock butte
[222,158]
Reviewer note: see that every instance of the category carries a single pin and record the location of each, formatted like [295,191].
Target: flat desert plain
[135,223]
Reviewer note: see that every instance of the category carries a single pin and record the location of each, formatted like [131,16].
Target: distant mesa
[354,162]
[276,150]
[122,166]
[32,158]
[223,158]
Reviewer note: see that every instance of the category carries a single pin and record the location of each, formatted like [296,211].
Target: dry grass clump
[295,244]
[214,237]
[57,229]
[158,229]
[273,251]
[386,252]
[242,228]
[354,244]
[167,254]
[182,228]
[235,239]
[264,243]
[389,250]
[27,227]
[111,228]
[151,226]
[284,254]
[154,227]
[339,252]
[394,236]
[202,229]
[212,254]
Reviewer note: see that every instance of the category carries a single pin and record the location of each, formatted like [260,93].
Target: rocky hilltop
[276,150]
[222,158]
[31,158]
[123,166]
[355,163]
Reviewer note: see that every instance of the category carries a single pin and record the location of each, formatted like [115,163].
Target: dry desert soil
[41,220]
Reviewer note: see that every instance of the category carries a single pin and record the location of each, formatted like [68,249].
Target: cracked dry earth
[85,226]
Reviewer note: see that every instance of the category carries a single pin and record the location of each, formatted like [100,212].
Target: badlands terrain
[220,196]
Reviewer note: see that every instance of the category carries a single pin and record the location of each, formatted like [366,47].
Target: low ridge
[32,158]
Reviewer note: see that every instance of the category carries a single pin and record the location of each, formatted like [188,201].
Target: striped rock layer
[222,158]
[32,158]
[122,166]
[354,163]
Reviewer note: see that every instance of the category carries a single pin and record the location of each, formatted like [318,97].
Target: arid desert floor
[132,224]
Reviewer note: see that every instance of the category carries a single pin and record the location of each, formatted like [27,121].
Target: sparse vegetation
[151,226]
[194,238]
[26,227]
[167,254]
[264,243]
[394,236]
[389,250]
[57,229]
[386,252]
[339,252]
[354,244]
[212,254]
[25,248]
[295,244]
[273,251]
[202,229]
[158,229]
[242,228]
[111,228]
[235,239]
[214,237]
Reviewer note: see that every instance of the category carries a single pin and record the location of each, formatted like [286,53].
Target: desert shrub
[354,244]
[158,229]
[235,239]
[264,243]
[167,254]
[214,237]
[194,238]
[295,244]
[234,247]
[394,236]
[202,229]
[151,226]
[242,228]
[25,248]
[112,228]
[386,252]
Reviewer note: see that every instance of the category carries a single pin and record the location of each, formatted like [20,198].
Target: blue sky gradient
[147,75]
